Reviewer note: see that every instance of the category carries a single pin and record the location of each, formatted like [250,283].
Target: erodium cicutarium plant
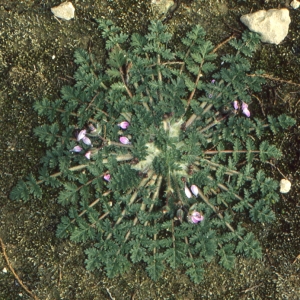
[157,155]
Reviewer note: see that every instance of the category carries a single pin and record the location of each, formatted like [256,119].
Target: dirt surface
[36,60]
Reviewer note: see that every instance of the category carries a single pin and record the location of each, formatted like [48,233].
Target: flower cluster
[244,108]
[123,139]
[194,190]
[81,136]
[194,217]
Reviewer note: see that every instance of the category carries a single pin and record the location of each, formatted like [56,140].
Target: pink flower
[245,109]
[88,155]
[76,149]
[195,217]
[124,140]
[235,104]
[81,134]
[244,105]
[123,125]
[187,192]
[194,190]
[86,140]
[106,177]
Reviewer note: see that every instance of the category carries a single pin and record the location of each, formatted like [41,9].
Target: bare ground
[36,59]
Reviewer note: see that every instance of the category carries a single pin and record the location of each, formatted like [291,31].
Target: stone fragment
[273,24]
[285,186]
[162,6]
[295,4]
[64,11]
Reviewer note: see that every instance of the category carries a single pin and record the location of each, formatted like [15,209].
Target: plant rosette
[152,157]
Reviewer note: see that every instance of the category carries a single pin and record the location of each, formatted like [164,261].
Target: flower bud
[124,140]
[123,125]
[165,209]
[88,155]
[180,214]
[194,190]
[92,128]
[76,149]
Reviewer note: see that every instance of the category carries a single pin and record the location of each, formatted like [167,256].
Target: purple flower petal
[123,125]
[88,155]
[86,140]
[235,104]
[124,140]
[213,81]
[81,134]
[246,112]
[187,192]
[194,190]
[244,105]
[195,217]
[76,149]
[106,177]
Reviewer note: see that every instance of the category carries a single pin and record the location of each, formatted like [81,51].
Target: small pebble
[295,4]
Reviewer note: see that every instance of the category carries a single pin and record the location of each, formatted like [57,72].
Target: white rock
[64,11]
[295,4]
[285,186]
[273,24]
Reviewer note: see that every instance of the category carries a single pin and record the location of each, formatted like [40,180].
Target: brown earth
[36,59]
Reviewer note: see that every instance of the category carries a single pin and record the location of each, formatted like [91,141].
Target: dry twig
[14,273]
[298,257]
[224,42]
[270,77]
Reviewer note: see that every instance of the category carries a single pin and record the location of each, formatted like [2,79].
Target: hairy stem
[133,198]
[206,200]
